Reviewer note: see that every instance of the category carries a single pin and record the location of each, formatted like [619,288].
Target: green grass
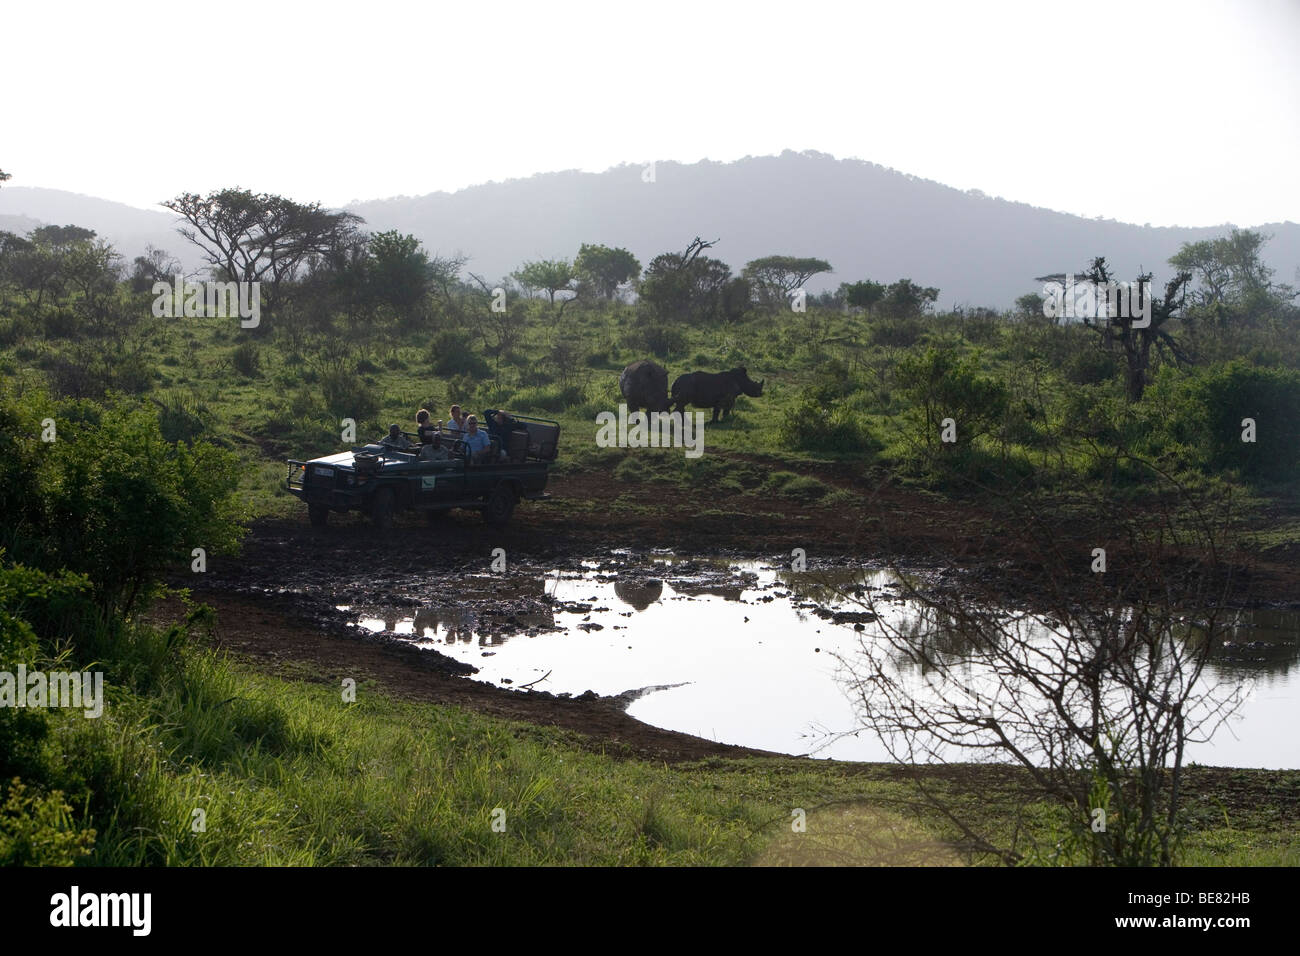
[286,772]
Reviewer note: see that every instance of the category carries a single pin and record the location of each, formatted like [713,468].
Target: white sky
[1182,113]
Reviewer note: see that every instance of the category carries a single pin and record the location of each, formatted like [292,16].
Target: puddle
[746,653]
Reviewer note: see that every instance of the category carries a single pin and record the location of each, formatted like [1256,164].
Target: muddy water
[747,653]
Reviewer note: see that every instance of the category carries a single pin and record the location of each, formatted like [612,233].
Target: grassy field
[285,772]
[836,392]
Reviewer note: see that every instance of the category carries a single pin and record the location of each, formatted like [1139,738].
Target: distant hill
[866,220]
[130,229]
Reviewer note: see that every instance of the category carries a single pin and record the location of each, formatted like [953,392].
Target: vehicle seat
[517,446]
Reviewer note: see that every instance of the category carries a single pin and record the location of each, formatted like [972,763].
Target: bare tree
[1136,340]
[1094,691]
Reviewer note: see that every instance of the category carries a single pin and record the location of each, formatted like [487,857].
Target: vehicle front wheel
[318,515]
[381,509]
[500,505]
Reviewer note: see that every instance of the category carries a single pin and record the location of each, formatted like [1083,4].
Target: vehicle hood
[342,458]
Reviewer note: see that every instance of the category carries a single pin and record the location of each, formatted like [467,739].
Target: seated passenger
[455,424]
[395,439]
[478,446]
[425,428]
[500,425]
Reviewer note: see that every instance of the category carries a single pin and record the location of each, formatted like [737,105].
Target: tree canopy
[549,275]
[864,294]
[606,269]
[775,278]
[261,237]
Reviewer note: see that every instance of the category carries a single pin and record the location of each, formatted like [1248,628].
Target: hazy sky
[1181,113]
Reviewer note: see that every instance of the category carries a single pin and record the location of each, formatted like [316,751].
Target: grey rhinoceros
[645,385]
[716,390]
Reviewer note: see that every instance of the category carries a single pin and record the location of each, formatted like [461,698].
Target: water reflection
[754,647]
[1257,640]
[639,594]
[464,624]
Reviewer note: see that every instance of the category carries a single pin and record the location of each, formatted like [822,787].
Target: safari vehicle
[382,479]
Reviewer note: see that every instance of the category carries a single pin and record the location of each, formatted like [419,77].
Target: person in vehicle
[456,424]
[500,424]
[478,445]
[395,438]
[427,431]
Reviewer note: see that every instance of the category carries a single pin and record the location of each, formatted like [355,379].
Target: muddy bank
[279,600]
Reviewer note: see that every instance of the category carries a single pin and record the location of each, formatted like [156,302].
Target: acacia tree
[1233,288]
[261,237]
[606,269]
[1227,268]
[550,275]
[862,295]
[1094,693]
[93,268]
[904,299]
[774,278]
[52,256]
[398,273]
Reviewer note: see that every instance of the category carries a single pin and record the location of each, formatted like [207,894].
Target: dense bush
[347,395]
[451,354]
[245,359]
[943,385]
[1204,415]
[110,497]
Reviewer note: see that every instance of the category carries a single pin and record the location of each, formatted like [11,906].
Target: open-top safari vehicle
[433,475]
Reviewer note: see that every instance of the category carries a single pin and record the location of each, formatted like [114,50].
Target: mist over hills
[866,220]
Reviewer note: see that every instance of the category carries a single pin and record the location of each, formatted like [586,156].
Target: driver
[395,438]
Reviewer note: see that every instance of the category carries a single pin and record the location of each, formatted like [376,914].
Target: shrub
[1207,412]
[32,604]
[896,333]
[831,430]
[113,499]
[1090,366]
[656,338]
[347,395]
[245,359]
[451,355]
[181,417]
[787,484]
[942,385]
[38,830]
